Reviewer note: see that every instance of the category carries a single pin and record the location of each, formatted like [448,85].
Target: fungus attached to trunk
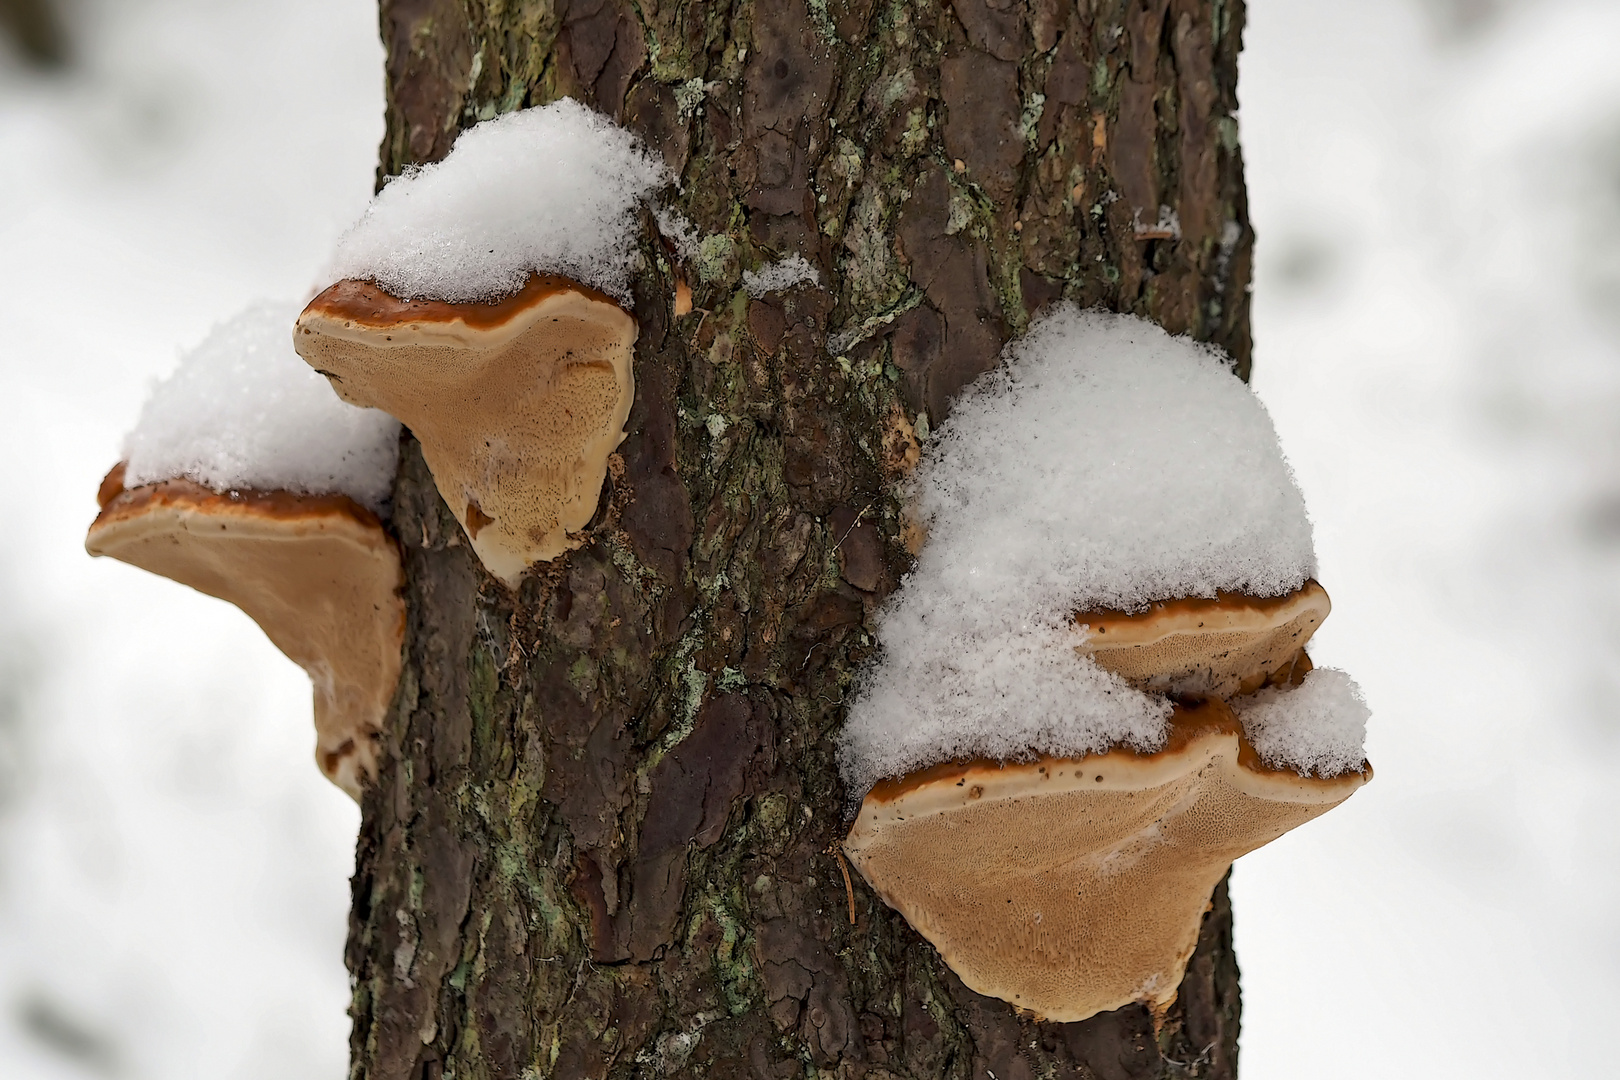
[517,403]
[248,480]
[1233,644]
[1105,466]
[1051,797]
[1072,886]
[482,300]
[316,572]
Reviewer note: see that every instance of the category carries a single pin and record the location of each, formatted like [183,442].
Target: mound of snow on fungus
[551,190]
[244,411]
[1316,728]
[1104,465]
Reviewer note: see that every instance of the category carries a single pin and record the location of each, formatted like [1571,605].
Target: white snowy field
[1436,186]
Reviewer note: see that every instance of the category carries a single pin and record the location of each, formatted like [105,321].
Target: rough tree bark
[603,843]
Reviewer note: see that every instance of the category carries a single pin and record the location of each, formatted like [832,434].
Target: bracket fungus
[1050,798]
[481,300]
[248,480]
[316,572]
[1232,644]
[517,403]
[1072,886]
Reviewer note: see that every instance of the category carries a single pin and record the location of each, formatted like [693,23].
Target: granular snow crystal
[243,411]
[1316,728]
[1105,464]
[550,190]
[780,276]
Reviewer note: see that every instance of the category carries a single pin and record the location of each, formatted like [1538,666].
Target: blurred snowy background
[1436,185]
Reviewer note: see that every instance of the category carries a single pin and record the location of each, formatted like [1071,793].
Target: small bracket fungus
[1071,886]
[517,403]
[248,480]
[316,572]
[1233,644]
[479,301]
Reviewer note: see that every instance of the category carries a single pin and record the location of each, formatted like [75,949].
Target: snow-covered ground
[1437,189]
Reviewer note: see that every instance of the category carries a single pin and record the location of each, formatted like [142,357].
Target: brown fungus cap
[1230,645]
[1070,887]
[317,573]
[517,403]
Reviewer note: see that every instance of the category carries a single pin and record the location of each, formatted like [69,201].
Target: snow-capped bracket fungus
[479,300]
[1110,521]
[1206,647]
[517,404]
[247,480]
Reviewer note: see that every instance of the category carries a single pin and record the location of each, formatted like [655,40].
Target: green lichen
[717,259]
[582,675]
[896,88]
[822,21]
[918,133]
[689,95]
[1029,121]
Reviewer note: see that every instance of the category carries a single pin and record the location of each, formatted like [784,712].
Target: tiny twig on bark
[849,887]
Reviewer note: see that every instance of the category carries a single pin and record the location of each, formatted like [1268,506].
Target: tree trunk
[35,28]
[604,843]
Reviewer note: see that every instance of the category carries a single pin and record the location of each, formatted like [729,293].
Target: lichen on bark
[603,842]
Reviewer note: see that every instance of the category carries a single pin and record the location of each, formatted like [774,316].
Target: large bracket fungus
[517,403]
[316,572]
[1071,886]
[1050,798]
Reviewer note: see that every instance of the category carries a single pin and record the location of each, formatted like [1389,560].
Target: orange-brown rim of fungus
[1222,602]
[1186,725]
[120,503]
[365,303]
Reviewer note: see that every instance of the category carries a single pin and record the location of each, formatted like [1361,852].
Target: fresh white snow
[551,190]
[780,275]
[679,230]
[1105,464]
[1317,728]
[243,410]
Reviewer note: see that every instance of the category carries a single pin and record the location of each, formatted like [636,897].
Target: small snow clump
[243,411]
[780,275]
[1316,728]
[678,229]
[1105,464]
[550,190]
